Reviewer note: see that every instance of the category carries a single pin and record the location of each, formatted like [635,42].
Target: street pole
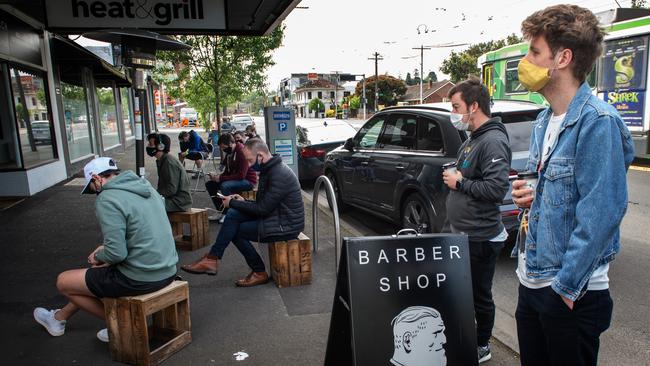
[421,48]
[376,57]
[364,97]
[336,94]
[139,106]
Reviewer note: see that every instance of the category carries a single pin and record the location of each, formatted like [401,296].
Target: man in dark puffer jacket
[277,214]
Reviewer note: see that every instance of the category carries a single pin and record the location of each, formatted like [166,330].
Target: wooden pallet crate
[291,261]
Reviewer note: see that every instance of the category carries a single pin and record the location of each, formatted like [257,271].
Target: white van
[191,115]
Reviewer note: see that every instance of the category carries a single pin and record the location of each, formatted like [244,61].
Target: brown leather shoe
[253,279]
[205,265]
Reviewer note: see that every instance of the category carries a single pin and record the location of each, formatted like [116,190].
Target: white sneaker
[102,335]
[215,217]
[46,318]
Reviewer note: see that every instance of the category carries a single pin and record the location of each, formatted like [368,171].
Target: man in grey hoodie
[477,187]
[138,255]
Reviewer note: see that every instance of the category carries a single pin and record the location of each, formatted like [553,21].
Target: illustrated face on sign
[419,337]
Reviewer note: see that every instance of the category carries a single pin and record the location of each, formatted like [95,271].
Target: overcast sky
[340,35]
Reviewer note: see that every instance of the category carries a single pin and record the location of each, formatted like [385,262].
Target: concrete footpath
[56,229]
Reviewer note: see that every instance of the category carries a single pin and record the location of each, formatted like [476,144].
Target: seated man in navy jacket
[277,214]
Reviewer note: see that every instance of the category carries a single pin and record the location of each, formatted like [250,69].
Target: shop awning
[223,17]
[71,57]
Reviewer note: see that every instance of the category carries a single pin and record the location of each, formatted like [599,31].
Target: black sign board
[403,300]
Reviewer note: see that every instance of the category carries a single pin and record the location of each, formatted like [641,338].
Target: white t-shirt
[599,279]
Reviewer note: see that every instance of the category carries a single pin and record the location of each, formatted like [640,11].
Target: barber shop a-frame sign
[403,301]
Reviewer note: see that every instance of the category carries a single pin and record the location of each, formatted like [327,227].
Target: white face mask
[457,120]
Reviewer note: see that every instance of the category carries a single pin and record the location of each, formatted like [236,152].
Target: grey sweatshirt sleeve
[494,163]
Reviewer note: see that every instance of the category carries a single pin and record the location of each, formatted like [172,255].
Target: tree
[390,90]
[409,80]
[229,65]
[460,65]
[354,104]
[416,77]
[638,4]
[316,105]
[431,77]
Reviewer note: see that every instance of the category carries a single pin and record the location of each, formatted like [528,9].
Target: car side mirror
[349,144]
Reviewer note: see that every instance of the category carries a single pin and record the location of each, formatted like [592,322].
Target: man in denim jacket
[581,149]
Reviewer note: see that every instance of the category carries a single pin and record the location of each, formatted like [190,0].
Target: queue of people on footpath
[572,201]
[138,254]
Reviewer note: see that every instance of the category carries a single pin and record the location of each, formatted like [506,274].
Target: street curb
[505,327]
[505,330]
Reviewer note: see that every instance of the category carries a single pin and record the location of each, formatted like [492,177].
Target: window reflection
[76,121]
[32,111]
[127,114]
[108,117]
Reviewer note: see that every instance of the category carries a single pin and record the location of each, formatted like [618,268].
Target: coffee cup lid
[449,165]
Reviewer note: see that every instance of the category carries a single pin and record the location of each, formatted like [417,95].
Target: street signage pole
[280,126]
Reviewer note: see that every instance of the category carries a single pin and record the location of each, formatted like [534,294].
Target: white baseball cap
[97,166]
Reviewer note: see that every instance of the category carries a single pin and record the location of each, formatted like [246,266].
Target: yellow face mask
[531,76]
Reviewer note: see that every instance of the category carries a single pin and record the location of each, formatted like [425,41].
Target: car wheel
[415,215]
[337,192]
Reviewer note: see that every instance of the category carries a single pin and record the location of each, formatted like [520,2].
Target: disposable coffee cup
[450,167]
[530,178]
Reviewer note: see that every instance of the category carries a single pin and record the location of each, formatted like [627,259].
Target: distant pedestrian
[251,132]
[138,255]
[580,149]
[192,147]
[478,184]
[240,137]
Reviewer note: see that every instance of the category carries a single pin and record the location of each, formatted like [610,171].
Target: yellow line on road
[640,168]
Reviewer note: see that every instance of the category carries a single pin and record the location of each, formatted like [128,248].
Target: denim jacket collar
[574,111]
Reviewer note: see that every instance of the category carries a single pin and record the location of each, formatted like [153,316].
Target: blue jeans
[227,188]
[239,228]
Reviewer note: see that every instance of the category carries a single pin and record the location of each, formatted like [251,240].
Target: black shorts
[195,156]
[110,282]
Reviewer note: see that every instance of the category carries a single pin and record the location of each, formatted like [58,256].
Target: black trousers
[483,260]
[552,334]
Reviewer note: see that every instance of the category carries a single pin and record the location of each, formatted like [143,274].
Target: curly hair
[571,27]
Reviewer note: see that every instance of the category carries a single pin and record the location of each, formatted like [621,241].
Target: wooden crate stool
[291,261]
[249,195]
[132,341]
[197,218]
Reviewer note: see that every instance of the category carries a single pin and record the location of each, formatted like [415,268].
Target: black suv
[392,167]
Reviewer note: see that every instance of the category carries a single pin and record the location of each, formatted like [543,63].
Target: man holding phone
[276,214]
[237,176]
[581,150]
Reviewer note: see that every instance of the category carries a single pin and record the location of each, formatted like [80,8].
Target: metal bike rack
[335,209]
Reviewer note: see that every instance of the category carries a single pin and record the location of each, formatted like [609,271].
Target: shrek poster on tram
[411,300]
[623,73]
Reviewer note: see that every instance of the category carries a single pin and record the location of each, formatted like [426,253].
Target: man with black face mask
[173,182]
[237,176]
[277,213]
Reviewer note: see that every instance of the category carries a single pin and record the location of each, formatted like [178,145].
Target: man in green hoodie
[138,255]
[173,182]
